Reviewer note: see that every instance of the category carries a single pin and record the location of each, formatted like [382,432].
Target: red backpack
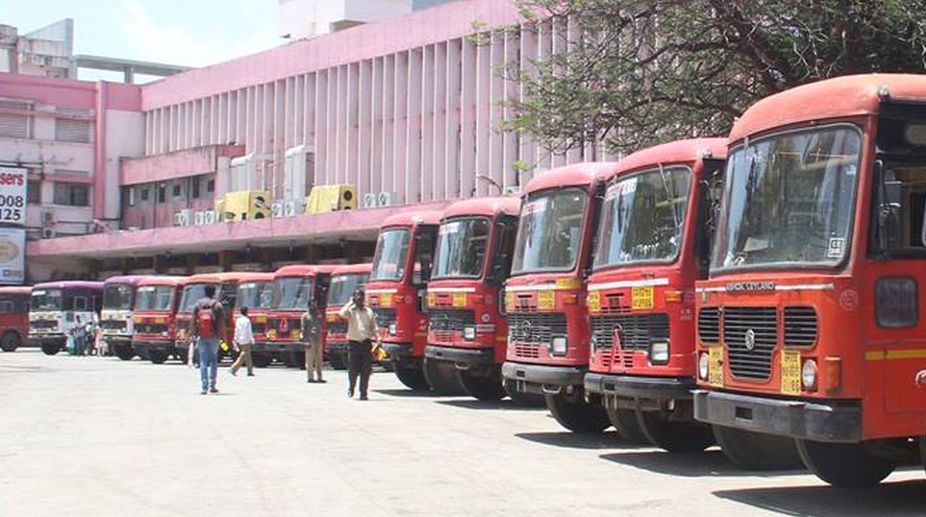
[205,321]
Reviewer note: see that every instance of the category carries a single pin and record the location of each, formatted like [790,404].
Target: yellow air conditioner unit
[329,198]
[246,205]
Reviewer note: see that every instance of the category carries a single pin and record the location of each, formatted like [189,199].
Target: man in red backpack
[209,328]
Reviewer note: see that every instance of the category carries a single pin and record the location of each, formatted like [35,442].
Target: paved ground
[87,436]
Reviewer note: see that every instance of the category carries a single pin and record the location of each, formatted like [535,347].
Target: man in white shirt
[244,340]
[361,332]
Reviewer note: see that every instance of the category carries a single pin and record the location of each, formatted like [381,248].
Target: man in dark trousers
[209,328]
[361,332]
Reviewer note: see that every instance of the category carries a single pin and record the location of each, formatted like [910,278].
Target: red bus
[296,289]
[395,292]
[14,317]
[154,317]
[545,297]
[653,244]
[810,325]
[467,331]
[344,281]
[255,291]
[226,285]
[58,307]
[116,314]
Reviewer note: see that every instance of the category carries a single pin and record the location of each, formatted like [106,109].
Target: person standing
[209,329]
[312,338]
[361,331]
[244,342]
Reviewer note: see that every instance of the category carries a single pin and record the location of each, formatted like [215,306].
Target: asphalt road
[88,436]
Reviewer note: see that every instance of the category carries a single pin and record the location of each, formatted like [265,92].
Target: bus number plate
[385,300]
[641,298]
[594,301]
[459,299]
[790,372]
[715,362]
[545,300]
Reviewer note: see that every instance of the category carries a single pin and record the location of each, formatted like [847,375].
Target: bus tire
[756,451]
[261,359]
[679,437]
[521,398]
[124,352]
[578,417]
[483,388]
[412,378]
[628,426]
[10,341]
[51,348]
[157,356]
[441,376]
[844,465]
[336,361]
[294,360]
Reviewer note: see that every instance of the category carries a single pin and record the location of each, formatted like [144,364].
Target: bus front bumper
[463,358]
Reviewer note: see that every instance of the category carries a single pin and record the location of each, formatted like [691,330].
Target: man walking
[244,341]
[209,327]
[312,338]
[361,331]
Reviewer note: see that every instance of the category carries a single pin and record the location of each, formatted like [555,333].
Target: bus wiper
[671,199]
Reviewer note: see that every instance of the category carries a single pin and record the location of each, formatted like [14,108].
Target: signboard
[13,181]
[12,256]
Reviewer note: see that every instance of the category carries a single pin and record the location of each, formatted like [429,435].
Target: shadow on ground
[701,464]
[405,393]
[497,405]
[901,498]
[569,440]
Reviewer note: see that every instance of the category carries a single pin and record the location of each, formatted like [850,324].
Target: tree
[639,72]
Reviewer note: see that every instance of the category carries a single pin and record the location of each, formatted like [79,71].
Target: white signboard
[12,256]
[13,181]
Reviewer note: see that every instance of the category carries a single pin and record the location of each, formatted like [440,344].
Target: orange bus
[154,317]
[226,285]
[810,325]
[296,289]
[344,281]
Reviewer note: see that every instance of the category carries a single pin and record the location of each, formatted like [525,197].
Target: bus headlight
[704,366]
[392,329]
[659,353]
[469,332]
[809,375]
[558,345]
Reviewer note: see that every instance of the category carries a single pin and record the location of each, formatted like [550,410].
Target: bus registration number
[641,298]
[594,301]
[790,372]
[459,300]
[715,362]
[545,300]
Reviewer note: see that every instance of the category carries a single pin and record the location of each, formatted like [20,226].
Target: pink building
[409,110]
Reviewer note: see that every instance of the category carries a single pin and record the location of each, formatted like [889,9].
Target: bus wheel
[845,465]
[51,348]
[336,361]
[261,360]
[442,377]
[521,398]
[482,388]
[412,378]
[294,360]
[578,417]
[628,426]
[157,356]
[756,451]
[10,342]
[125,352]
[676,436]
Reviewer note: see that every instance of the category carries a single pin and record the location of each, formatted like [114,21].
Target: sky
[179,32]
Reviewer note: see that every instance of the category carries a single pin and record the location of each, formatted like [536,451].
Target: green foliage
[640,72]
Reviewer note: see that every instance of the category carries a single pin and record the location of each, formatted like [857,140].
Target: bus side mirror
[502,309]
[889,230]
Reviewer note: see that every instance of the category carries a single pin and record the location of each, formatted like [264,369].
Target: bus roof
[680,151]
[70,284]
[352,269]
[126,279]
[838,98]
[484,206]
[217,278]
[256,277]
[163,280]
[409,218]
[15,289]
[576,175]
[302,270]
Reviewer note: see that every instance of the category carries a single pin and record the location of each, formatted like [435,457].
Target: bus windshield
[292,293]
[192,293]
[255,294]
[461,248]
[788,200]
[550,231]
[343,287]
[118,297]
[643,217]
[46,300]
[154,298]
[391,254]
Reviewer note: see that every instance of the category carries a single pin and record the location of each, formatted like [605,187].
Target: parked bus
[653,243]
[395,292]
[56,308]
[545,297]
[810,326]
[116,314]
[155,331]
[295,290]
[255,291]
[344,281]
[14,317]
[226,285]
[467,331]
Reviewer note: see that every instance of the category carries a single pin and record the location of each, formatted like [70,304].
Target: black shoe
[363,397]
[213,390]
[322,381]
[250,375]
[350,394]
